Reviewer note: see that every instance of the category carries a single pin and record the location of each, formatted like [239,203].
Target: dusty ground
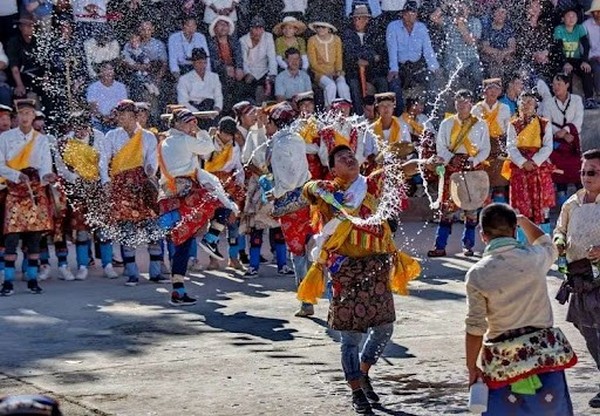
[105,349]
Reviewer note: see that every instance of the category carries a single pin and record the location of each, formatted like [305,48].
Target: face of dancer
[39,125]
[369,111]
[142,118]
[250,118]
[306,107]
[516,87]
[528,106]
[344,110]
[188,128]
[5,121]
[225,138]
[270,127]
[386,109]
[25,118]
[463,107]
[591,183]
[127,119]
[492,93]
[346,166]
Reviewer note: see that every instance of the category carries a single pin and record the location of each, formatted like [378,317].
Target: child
[288,36]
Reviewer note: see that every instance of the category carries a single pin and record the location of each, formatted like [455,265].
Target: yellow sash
[309,131]
[82,158]
[21,160]
[459,135]
[415,126]
[340,139]
[531,135]
[130,156]
[219,159]
[394,130]
[491,118]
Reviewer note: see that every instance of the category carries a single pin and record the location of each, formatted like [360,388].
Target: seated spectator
[293,80]
[294,8]
[498,44]
[412,60]
[463,32]
[592,26]
[216,8]
[90,17]
[514,88]
[102,47]
[104,95]
[363,56]
[41,10]
[21,51]
[181,45]
[200,89]
[135,56]
[288,34]
[5,90]
[326,61]
[573,48]
[9,13]
[260,61]
[374,6]
[157,52]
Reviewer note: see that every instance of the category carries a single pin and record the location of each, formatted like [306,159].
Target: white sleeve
[484,145]
[547,146]
[443,141]
[150,152]
[514,154]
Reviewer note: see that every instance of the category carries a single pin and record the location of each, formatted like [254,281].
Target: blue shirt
[180,50]
[510,103]
[43,10]
[403,46]
[287,85]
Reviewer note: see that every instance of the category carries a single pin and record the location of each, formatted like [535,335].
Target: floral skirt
[361,295]
[297,230]
[25,211]
[133,197]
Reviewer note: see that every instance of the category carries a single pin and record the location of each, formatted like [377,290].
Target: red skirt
[26,214]
[567,157]
[297,230]
[132,196]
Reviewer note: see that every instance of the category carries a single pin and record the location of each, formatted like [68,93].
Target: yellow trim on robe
[394,130]
[340,139]
[459,135]
[491,118]
[82,158]
[309,131]
[21,160]
[130,156]
[219,159]
[412,122]
[531,135]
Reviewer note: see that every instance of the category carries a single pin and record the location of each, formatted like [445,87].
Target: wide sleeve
[547,145]
[442,142]
[514,154]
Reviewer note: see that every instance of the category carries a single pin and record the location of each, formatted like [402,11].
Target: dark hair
[335,151]
[187,19]
[498,220]
[291,51]
[412,100]
[591,154]
[562,76]
[513,77]
[464,94]
[368,100]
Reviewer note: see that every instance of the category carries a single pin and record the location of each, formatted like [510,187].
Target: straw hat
[595,7]
[289,21]
[313,26]
[211,28]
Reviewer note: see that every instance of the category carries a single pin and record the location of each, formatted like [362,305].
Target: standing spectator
[293,80]
[326,61]
[288,34]
[9,13]
[22,51]
[200,89]
[5,90]
[260,61]
[498,44]
[216,8]
[227,61]
[363,55]
[514,88]
[102,47]
[565,112]
[181,45]
[573,45]
[592,26]
[463,32]
[104,95]
[412,59]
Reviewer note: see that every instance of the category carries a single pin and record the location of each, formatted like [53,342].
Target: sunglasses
[590,173]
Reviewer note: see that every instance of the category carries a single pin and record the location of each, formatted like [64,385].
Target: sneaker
[33,287]
[468,252]
[244,258]
[178,300]
[44,272]
[436,253]
[212,249]
[251,271]
[82,273]
[65,274]
[367,388]
[360,403]
[159,279]
[109,272]
[235,264]
[304,311]
[591,104]
[285,271]
[7,289]
[595,401]
[132,281]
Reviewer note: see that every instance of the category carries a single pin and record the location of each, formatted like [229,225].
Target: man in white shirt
[104,95]
[200,89]
[592,26]
[259,60]
[181,45]
[26,165]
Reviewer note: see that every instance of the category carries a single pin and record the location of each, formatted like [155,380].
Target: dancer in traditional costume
[363,264]
[510,340]
[577,236]
[463,145]
[5,122]
[290,173]
[529,145]
[26,164]
[189,196]
[130,164]
[497,116]
[309,130]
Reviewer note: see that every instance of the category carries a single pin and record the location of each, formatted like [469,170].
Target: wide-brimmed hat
[289,21]
[361,11]
[595,7]
[385,96]
[23,103]
[313,26]
[211,28]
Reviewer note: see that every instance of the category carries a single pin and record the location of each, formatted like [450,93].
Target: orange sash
[83,158]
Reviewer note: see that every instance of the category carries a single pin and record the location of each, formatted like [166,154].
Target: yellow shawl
[459,135]
[491,118]
[219,159]
[530,136]
[130,156]
[21,160]
[394,130]
[82,158]
[412,122]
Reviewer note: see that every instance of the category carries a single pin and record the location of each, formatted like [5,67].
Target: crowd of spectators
[210,54]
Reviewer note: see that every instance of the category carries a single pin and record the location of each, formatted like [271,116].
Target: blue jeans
[377,338]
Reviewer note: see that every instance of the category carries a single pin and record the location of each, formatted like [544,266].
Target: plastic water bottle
[562,264]
[478,397]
